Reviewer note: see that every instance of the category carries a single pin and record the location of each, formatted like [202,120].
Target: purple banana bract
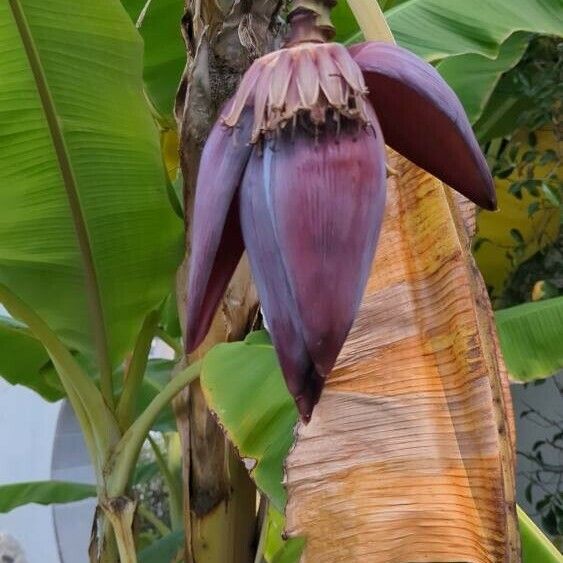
[294,172]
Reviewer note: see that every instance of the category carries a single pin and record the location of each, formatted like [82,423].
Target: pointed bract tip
[305,417]
[492,203]
[423,119]
[310,396]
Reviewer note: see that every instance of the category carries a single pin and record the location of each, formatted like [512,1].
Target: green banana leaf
[163,549]
[43,492]
[536,547]
[24,361]
[89,239]
[388,4]
[475,41]
[276,548]
[436,29]
[158,22]
[474,77]
[531,339]
[254,407]
[501,112]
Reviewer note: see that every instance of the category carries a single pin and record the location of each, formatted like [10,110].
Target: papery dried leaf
[411,442]
[422,118]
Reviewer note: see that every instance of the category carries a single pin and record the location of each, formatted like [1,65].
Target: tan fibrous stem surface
[409,455]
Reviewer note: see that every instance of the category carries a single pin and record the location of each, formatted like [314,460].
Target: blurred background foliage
[519,249]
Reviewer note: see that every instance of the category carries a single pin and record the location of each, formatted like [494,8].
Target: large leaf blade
[531,337]
[88,237]
[436,29]
[43,492]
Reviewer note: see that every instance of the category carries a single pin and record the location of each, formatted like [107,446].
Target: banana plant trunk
[222,40]
[409,455]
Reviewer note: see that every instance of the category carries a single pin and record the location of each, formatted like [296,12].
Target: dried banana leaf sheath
[409,454]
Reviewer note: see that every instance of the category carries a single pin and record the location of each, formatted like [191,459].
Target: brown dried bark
[222,39]
[409,455]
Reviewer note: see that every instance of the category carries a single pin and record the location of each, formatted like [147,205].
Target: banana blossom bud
[294,172]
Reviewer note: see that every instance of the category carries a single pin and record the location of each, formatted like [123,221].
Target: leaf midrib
[69,181]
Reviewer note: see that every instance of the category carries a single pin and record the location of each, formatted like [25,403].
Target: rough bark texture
[409,455]
[222,39]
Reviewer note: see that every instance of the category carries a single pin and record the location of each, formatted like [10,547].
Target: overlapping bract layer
[295,172]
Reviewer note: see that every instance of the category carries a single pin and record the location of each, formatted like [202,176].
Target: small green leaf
[517,236]
[505,173]
[533,207]
[549,522]
[540,505]
[479,243]
[516,190]
[244,386]
[163,550]
[43,492]
[24,361]
[551,194]
[277,549]
[548,156]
